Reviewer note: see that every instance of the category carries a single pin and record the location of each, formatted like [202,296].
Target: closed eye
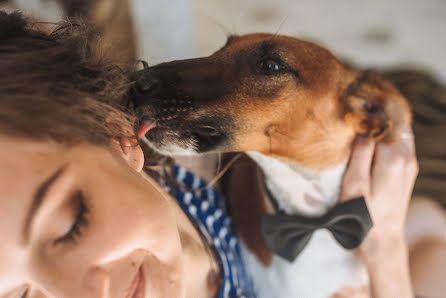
[80,221]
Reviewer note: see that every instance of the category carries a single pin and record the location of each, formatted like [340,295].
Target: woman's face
[79,222]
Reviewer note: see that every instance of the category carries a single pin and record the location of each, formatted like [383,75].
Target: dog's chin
[171,148]
[171,142]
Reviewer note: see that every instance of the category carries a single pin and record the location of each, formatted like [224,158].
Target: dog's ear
[375,108]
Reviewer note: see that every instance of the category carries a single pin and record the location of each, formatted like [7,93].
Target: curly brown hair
[56,86]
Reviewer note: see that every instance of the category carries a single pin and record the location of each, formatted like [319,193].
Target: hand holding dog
[385,175]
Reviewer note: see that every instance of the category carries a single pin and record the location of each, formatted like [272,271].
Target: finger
[407,139]
[405,146]
[393,159]
[356,179]
[408,142]
[392,175]
[388,166]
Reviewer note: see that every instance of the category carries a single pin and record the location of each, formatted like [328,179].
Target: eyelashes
[80,221]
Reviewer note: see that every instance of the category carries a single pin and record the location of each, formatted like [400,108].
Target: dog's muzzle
[145,87]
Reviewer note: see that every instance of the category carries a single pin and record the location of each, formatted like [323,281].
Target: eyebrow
[267,46]
[38,199]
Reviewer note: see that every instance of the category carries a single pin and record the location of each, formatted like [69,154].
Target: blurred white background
[380,33]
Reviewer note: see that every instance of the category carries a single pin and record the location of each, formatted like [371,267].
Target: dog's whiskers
[218,164]
[220,25]
[280,26]
[268,132]
[270,145]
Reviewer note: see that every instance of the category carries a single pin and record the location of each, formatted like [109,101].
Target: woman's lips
[138,287]
[144,128]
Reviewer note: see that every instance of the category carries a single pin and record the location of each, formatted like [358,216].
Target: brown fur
[247,204]
[300,115]
[307,113]
[307,119]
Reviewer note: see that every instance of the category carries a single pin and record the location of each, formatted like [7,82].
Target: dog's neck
[298,190]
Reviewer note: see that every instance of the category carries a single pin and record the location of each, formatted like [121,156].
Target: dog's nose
[145,88]
[147,85]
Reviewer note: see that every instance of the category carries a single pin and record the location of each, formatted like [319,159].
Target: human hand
[385,175]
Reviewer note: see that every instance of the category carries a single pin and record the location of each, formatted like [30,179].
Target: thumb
[356,180]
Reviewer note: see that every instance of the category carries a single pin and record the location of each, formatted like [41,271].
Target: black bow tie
[287,235]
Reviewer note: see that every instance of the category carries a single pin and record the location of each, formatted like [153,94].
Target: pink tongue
[144,128]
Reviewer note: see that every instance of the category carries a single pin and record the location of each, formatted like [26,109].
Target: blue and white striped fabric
[206,209]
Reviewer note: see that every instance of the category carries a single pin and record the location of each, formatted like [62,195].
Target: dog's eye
[270,66]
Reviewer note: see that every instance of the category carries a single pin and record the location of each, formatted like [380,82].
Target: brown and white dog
[295,109]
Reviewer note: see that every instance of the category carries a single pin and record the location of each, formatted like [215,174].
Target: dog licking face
[273,94]
[297,109]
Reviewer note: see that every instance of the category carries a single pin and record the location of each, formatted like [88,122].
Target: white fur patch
[324,266]
[186,149]
[321,269]
[298,190]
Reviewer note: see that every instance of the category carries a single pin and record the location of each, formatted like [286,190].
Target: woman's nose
[97,283]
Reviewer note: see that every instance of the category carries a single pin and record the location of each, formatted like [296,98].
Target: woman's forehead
[24,162]
[24,165]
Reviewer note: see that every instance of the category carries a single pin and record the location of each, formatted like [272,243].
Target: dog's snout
[147,85]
